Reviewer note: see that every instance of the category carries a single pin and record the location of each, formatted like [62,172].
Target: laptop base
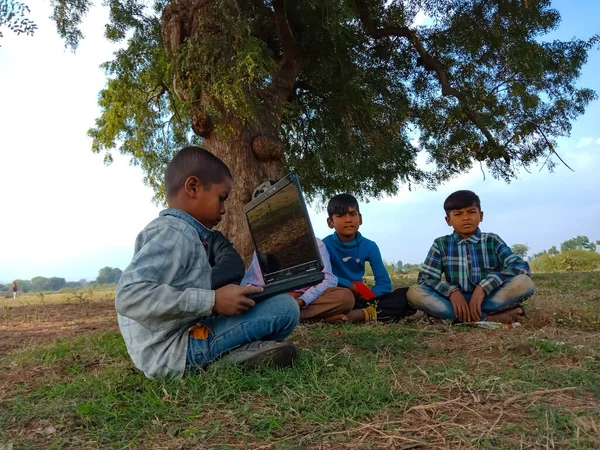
[287,286]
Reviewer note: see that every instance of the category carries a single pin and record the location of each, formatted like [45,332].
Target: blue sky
[66,214]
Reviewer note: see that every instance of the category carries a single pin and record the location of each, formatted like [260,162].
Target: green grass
[353,387]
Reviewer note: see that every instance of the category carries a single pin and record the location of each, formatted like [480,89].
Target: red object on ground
[363,291]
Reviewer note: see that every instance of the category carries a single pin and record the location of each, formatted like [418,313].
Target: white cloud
[598,141]
[585,142]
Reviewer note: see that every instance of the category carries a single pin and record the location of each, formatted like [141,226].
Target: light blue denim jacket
[163,292]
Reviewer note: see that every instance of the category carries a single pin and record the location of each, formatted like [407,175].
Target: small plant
[81,297]
[41,296]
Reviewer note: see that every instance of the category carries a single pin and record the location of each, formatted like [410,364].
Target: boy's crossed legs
[331,306]
[500,306]
[272,319]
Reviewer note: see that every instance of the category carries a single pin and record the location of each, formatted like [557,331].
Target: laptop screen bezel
[307,267]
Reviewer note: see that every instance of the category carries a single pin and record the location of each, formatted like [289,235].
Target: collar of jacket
[203,232]
[352,244]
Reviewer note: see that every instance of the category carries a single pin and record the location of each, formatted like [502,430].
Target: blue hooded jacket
[348,262]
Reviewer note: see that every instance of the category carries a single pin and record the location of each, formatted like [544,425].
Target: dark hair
[460,200]
[194,162]
[340,204]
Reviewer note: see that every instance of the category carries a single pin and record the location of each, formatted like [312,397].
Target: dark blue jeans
[272,319]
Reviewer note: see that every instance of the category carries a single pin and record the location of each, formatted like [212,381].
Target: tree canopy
[520,250]
[476,83]
[40,284]
[108,275]
[578,243]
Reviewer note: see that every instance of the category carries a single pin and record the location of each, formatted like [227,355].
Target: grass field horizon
[66,382]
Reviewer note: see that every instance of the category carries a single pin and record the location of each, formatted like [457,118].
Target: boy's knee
[417,295]
[346,299]
[286,305]
[521,285]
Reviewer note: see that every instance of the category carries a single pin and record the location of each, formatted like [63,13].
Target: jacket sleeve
[383,284]
[329,281]
[227,264]
[144,292]
[512,265]
[253,275]
[430,274]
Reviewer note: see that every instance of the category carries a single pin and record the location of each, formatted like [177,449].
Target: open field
[399,386]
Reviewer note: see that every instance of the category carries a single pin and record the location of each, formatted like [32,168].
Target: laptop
[283,238]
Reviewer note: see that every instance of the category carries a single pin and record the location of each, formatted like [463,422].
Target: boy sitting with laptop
[170,315]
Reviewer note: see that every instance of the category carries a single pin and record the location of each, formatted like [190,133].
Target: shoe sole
[281,356]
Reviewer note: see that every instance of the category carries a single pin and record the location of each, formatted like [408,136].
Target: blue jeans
[508,295]
[272,319]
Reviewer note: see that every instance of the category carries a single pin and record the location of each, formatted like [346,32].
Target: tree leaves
[477,83]
[12,15]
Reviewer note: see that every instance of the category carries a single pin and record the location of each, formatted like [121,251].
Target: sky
[66,214]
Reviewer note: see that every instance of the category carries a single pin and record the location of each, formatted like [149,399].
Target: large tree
[345,93]
[108,275]
[520,250]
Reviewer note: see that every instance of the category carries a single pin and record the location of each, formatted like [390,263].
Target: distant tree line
[577,254]
[395,268]
[106,275]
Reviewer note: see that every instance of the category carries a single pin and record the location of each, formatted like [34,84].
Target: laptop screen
[282,235]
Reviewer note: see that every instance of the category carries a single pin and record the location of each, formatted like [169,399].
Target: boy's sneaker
[258,353]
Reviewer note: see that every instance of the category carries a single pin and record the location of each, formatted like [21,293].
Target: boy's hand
[231,299]
[476,301]
[362,290]
[301,303]
[461,308]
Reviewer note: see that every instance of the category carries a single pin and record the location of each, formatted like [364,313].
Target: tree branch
[428,61]
[552,150]
[292,61]
[284,32]
[163,89]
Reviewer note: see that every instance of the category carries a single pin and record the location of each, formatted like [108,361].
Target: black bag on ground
[390,307]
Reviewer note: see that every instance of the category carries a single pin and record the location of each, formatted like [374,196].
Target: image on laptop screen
[281,232]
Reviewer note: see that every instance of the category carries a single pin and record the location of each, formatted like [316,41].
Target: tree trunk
[253,149]
[239,152]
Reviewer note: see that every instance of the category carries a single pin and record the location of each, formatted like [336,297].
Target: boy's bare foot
[337,319]
[432,320]
[356,316]
[512,315]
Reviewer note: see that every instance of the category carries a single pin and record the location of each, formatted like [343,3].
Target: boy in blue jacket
[349,251]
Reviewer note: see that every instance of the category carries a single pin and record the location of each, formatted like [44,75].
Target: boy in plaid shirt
[484,279]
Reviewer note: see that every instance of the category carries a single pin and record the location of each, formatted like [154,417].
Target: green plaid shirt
[481,259]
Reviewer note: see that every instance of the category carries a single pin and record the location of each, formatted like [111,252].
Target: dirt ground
[30,325]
